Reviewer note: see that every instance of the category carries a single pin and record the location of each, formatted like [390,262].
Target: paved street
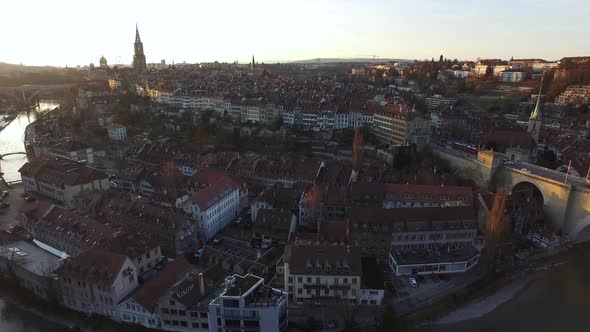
[8,215]
[408,298]
[551,174]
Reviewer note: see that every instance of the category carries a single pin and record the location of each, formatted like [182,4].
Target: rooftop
[428,256]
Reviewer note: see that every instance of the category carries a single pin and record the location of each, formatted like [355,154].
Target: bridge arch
[518,185]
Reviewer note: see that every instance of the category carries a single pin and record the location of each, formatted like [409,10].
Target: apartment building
[95,281]
[33,267]
[214,207]
[66,230]
[117,132]
[419,196]
[61,179]
[330,273]
[398,125]
[247,304]
[377,230]
[574,94]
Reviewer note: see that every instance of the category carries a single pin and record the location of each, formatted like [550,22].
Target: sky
[59,32]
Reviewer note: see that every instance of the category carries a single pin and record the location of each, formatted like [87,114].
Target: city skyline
[232,30]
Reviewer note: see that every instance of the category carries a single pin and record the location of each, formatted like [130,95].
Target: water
[13,319]
[12,140]
[558,301]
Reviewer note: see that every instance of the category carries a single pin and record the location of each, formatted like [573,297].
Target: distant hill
[12,70]
[350,60]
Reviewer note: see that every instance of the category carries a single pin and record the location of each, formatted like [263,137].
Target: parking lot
[16,202]
[407,298]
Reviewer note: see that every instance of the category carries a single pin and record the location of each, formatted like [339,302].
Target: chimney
[201,284]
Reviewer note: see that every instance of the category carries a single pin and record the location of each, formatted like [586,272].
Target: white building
[214,207]
[96,281]
[512,75]
[326,274]
[247,304]
[33,267]
[117,132]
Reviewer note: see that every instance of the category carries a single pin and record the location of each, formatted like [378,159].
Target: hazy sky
[58,32]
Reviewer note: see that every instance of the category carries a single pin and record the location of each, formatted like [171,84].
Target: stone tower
[535,120]
[139,63]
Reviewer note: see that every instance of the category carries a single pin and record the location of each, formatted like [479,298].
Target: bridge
[566,201]
[26,94]
[10,154]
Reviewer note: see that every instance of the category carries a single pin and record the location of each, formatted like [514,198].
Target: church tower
[535,120]
[139,63]
[252,65]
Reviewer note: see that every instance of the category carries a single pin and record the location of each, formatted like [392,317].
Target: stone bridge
[26,94]
[566,201]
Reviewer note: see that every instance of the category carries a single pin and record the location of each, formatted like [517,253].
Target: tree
[441,59]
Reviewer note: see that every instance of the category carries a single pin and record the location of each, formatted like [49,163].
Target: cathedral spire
[536,113]
[137,39]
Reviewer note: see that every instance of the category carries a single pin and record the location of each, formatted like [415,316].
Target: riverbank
[491,291]
[482,306]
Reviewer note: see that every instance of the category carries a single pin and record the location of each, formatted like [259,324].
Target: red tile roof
[151,291]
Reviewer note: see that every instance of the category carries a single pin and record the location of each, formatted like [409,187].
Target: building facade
[247,304]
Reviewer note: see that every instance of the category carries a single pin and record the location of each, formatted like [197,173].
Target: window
[345,280]
[194,314]
[203,314]
[182,312]
[183,323]
[166,322]
[195,325]
[165,311]
[290,279]
[172,302]
[299,291]
[299,279]
[173,312]
[308,291]
[309,280]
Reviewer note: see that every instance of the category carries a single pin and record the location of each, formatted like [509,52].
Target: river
[556,301]
[12,140]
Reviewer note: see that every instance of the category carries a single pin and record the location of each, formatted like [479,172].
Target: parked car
[413,282]
[29,198]
[4,205]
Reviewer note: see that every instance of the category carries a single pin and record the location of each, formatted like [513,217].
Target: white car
[413,282]
[525,170]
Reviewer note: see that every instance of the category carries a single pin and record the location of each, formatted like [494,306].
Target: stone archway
[528,185]
[527,207]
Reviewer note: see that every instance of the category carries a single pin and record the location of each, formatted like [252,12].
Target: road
[550,174]
[8,215]
[409,299]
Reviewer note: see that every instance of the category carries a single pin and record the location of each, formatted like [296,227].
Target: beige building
[398,125]
[61,179]
[96,281]
[322,273]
